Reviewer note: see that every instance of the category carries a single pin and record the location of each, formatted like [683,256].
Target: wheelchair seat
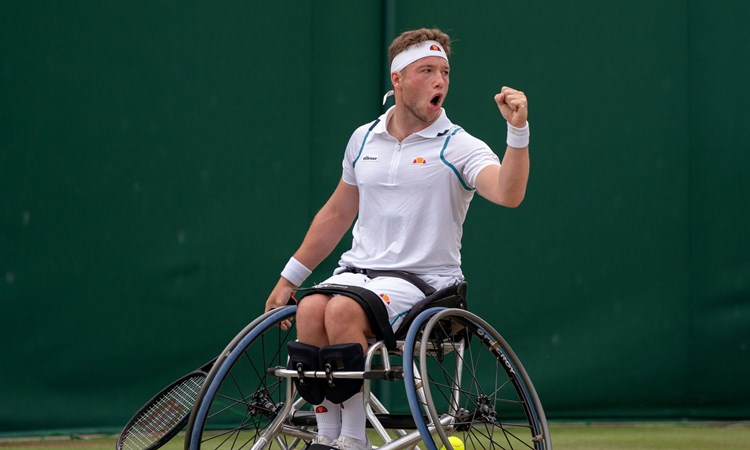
[453,296]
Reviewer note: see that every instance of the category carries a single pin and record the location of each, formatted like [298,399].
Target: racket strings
[163,415]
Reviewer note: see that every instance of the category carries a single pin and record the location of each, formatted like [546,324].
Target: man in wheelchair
[408,178]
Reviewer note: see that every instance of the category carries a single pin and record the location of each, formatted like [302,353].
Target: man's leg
[311,330]
[346,323]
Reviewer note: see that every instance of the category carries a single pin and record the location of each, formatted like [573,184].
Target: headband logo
[434,47]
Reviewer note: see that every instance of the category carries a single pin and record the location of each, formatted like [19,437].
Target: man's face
[424,85]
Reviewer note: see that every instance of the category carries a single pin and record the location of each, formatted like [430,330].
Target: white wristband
[295,272]
[518,137]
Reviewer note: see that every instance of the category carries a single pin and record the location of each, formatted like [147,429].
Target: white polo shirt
[413,195]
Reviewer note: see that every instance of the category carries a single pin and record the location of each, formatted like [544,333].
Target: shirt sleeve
[347,164]
[478,159]
[470,155]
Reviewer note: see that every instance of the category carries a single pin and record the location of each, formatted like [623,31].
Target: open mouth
[435,100]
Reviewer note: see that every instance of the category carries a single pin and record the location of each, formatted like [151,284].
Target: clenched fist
[513,106]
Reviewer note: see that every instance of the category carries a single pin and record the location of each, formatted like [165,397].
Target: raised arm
[506,184]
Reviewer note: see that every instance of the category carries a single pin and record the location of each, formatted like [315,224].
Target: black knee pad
[342,357]
[306,357]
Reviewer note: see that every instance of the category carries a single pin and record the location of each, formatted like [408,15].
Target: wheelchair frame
[249,401]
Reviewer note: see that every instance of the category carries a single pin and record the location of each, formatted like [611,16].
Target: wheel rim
[496,406]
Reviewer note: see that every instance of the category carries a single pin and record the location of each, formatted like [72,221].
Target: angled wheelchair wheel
[240,406]
[464,380]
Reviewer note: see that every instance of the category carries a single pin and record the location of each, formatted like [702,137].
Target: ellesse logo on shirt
[369,158]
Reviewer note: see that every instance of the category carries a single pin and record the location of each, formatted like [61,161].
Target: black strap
[370,302]
[419,283]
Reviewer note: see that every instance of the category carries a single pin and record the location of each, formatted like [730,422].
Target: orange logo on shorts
[419,160]
[385,298]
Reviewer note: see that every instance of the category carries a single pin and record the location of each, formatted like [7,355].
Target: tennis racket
[162,417]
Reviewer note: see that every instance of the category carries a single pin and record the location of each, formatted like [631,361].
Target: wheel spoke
[245,399]
[489,406]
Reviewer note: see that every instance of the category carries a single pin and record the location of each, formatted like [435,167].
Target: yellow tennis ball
[456,442]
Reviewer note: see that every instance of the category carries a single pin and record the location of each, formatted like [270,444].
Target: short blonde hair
[411,37]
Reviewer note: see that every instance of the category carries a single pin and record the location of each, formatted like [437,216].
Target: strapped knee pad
[342,357]
[306,357]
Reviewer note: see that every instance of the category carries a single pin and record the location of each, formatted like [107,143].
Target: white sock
[353,418]
[328,416]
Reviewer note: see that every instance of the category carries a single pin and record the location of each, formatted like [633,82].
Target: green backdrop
[160,161]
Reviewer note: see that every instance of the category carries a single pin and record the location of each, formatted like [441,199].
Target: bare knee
[346,322]
[310,320]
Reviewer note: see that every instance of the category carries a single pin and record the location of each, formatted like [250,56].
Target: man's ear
[396,79]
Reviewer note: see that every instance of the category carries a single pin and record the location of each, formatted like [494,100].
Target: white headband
[413,53]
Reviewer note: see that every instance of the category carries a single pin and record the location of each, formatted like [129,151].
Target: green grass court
[641,436]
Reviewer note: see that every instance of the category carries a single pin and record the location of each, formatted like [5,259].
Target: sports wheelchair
[461,379]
